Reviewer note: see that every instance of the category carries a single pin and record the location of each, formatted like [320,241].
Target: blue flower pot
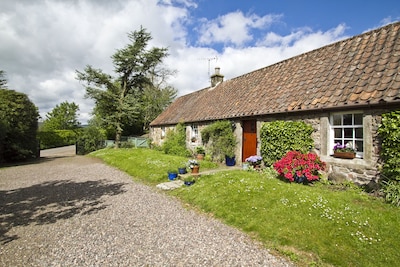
[230,161]
[188,183]
[181,170]
[172,175]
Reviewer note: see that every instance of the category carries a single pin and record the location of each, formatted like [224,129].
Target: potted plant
[182,169]
[172,174]
[200,152]
[346,151]
[189,180]
[194,165]
[254,161]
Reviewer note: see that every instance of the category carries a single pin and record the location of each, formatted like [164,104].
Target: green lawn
[318,225]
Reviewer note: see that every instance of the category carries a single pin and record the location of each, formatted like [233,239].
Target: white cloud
[234,28]
[41,51]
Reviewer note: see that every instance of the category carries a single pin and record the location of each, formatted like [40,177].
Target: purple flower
[254,159]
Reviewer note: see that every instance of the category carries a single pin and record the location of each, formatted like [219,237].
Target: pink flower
[297,164]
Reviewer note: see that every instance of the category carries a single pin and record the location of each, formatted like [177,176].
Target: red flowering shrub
[297,165]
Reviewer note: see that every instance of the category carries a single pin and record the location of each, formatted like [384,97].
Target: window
[162,132]
[195,133]
[347,128]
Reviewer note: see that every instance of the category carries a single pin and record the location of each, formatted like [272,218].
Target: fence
[135,141]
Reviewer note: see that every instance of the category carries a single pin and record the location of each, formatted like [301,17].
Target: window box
[344,155]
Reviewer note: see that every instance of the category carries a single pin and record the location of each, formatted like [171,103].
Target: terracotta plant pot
[195,169]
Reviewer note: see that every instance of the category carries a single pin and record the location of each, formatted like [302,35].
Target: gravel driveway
[68,210]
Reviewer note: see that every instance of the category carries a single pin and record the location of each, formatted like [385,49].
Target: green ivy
[220,139]
[175,142]
[279,137]
[389,132]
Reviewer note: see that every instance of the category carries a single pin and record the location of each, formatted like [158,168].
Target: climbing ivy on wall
[389,133]
[279,137]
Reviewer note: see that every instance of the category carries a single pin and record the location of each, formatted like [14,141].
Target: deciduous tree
[62,117]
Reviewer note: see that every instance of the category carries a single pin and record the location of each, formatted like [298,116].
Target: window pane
[358,118]
[359,146]
[347,119]
[337,120]
[359,132]
[338,133]
[348,133]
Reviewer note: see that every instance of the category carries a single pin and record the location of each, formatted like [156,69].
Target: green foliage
[279,137]
[391,190]
[18,126]
[90,140]
[147,165]
[118,99]
[62,117]
[389,132]
[220,139]
[57,138]
[156,96]
[3,80]
[175,142]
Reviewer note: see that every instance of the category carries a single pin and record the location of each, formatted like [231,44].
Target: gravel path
[71,210]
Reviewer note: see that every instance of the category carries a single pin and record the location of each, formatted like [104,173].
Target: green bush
[90,140]
[57,138]
[391,190]
[220,139]
[18,127]
[279,137]
[389,132]
[175,142]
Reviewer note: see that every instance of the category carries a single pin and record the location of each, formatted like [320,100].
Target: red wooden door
[249,139]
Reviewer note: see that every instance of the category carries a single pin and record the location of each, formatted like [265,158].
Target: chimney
[216,78]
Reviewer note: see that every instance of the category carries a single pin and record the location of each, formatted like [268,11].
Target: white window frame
[353,139]
[163,133]
[194,132]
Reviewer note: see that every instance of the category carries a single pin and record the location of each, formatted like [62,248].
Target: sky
[44,42]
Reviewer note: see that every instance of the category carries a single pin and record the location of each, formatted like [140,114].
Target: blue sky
[41,51]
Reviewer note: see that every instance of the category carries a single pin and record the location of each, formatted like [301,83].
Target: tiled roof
[362,70]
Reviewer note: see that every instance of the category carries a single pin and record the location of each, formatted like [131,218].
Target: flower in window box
[344,148]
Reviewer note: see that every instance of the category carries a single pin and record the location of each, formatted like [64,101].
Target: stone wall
[359,170]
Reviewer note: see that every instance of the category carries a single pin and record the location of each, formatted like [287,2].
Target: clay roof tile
[361,69]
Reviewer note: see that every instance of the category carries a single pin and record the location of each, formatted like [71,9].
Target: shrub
[220,138]
[389,132]
[175,142]
[279,137]
[57,138]
[18,127]
[92,139]
[391,190]
[297,165]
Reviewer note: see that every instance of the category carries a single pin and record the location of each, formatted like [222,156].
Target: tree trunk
[117,139]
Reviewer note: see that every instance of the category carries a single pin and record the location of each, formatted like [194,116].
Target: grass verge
[318,225]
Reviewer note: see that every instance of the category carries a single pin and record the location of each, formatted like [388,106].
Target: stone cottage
[340,89]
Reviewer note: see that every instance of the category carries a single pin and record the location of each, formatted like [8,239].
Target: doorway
[249,139]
